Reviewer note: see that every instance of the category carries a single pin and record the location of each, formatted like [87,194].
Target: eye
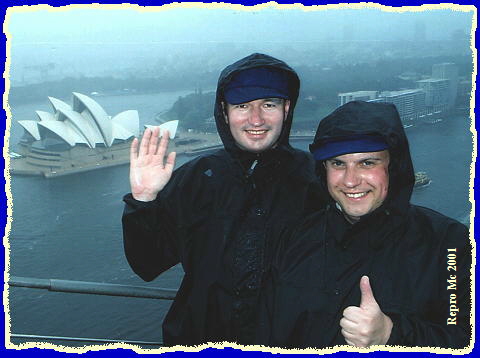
[241,106]
[335,163]
[269,105]
[368,163]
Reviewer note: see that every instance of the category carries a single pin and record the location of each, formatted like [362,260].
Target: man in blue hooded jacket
[370,268]
[212,214]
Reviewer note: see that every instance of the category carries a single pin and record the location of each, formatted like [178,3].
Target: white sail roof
[64,131]
[31,127]
[120,132]
[86,122]
[45,116]
[129,120]
[58,104]
[85,126]
[82,102]
[171,126]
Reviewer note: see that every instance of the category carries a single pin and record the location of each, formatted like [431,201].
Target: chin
[356,213]
[257,149]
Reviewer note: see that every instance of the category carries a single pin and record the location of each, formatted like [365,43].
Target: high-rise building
[464,93]
[448,71]
[357,96]
[410,103]
[437,94]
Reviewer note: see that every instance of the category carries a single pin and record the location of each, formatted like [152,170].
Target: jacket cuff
[395,335]
[137,204]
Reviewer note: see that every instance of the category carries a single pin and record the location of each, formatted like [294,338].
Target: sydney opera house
[74,138]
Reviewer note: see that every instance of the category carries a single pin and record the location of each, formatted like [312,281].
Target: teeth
[257,132]
[356,195]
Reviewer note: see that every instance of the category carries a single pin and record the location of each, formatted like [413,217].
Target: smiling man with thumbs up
[371,268]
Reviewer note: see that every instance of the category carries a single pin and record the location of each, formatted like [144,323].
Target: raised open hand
[149,171]
[365,325]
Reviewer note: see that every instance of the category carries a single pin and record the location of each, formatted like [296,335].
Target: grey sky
[203,24]
[97,40]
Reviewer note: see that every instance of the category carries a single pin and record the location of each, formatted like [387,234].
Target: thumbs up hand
[365,325]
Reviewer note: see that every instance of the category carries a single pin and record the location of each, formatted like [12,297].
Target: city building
[357,96]
[410,103]
[448,71]
[464,92]
[437,94]
[73,138]
[85,124]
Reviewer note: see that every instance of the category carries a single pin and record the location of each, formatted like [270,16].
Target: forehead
[261,100]
[356,157]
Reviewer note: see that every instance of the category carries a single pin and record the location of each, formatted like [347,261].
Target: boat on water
[421,180]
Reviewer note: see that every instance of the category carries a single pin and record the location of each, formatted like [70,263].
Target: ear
[286,107]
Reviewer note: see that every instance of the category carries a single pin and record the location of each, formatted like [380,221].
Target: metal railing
[83,339]
[92,288]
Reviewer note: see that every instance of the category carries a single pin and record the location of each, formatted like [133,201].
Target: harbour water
[69,228]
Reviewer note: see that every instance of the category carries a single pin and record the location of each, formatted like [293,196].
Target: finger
[162,148]
[170,163]
[152,146]
[367,299]
[349,342]
[348,325]
[166,133]
[133,150]
[144,143]
[352,313]
[354,340]
[349,335]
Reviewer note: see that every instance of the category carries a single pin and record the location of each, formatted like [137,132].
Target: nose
[256,119]
[351,177]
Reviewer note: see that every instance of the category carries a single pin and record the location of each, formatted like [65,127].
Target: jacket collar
[377,229]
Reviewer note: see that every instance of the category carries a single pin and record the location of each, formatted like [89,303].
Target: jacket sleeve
[155,233]
[149,237]
[449,326]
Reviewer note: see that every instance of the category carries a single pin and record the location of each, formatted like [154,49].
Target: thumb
[367,298]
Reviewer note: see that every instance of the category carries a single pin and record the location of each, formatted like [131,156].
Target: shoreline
[197,144]
[189,144]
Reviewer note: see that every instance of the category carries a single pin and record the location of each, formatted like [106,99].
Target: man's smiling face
[257,125]
[358,182]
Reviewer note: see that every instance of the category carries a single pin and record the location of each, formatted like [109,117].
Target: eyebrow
[274,99]
[371,158]
[360,160]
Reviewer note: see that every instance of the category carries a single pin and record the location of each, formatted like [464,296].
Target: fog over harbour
[150,59]
[127,41]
